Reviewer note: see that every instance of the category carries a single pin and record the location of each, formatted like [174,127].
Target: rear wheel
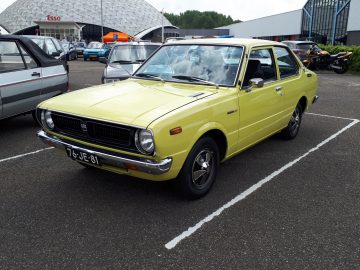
[200,169]
[292,129]
[343,67]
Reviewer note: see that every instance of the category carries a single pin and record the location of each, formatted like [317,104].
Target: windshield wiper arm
[146,75]
[194,79]
[123,62]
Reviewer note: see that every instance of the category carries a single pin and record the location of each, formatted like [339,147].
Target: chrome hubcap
[202,168]
[295,121]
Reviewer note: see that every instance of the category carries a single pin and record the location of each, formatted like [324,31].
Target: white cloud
[237,9]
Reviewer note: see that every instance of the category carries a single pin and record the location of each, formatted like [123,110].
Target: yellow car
[190,106]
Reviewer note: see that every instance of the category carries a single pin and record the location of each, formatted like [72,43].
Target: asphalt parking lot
[279,205]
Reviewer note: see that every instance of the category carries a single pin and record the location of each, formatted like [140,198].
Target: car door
[290,76]
[259,107]
[20,79]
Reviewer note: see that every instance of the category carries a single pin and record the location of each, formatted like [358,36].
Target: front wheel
[292,129]
[200,169]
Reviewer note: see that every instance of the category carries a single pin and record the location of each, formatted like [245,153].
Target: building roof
[229,41]
[126,16]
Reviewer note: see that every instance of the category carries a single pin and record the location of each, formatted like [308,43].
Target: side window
[10,57]
[261,65]
[288,65]
[29,60]
[50,46]
[58,46]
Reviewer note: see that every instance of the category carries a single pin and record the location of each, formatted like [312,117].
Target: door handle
[35,74]
[278,88]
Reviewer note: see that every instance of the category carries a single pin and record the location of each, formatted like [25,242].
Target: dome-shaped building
[80,19]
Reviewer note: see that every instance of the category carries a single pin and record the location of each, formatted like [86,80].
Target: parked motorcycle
[319,59]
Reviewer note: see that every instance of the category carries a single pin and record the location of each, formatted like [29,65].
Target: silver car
[125,58]
[27,76]
[52,47]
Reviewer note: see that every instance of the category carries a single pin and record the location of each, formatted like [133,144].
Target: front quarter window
[201,64]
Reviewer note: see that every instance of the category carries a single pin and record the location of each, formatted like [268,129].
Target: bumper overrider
[111,159]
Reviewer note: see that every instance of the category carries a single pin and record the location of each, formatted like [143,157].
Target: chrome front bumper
[315,99]
[114,159]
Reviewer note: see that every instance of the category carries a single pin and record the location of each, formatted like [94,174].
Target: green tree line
[200,20]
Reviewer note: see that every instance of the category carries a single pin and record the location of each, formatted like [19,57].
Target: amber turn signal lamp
[131,167]
[175,131]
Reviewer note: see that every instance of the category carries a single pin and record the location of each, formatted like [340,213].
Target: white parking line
[243,195]
[27,154]
[330,116]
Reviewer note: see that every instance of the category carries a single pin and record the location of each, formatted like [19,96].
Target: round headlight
[144,141]
[47,120]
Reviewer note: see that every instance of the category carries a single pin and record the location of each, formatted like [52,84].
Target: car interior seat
[253,70]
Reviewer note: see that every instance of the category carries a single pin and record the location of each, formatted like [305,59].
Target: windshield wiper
[194,79]
[123,62]
[140,60]
[146,75]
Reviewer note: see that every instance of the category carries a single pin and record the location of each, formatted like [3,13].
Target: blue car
[95,50]
[80,48]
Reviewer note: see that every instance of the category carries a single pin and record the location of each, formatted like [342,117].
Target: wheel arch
[217,133]
[304,103]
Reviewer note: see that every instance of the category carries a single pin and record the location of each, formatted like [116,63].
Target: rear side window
[288,65]
[10,57]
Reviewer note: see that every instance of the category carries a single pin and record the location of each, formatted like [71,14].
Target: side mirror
[55,54]
[103,60]
[257,83]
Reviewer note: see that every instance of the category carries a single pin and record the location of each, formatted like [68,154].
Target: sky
[243,10]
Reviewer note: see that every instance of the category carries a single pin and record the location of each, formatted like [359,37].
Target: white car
[27,76]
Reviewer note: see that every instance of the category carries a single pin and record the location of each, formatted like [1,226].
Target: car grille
[94,131]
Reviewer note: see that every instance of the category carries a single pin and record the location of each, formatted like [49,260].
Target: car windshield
[305,46]
[40,42]
[80,44]
[95,45]
[131,53]
[202,64]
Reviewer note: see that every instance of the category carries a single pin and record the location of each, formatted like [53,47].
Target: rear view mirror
[103,60]
[55,54]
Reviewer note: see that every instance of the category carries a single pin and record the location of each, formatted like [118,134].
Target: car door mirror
[103,60]
[257,83]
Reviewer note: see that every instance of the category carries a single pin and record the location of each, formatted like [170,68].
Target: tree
[200,20]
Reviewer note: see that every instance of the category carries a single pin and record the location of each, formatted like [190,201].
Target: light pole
[102,23]
[162,26]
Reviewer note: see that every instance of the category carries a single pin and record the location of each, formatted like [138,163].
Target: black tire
[199,171]
[343,68]
[33,113]
[292,129]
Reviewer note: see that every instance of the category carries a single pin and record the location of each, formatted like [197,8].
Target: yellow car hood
[135,102]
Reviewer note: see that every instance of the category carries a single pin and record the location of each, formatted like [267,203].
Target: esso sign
[53,18]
